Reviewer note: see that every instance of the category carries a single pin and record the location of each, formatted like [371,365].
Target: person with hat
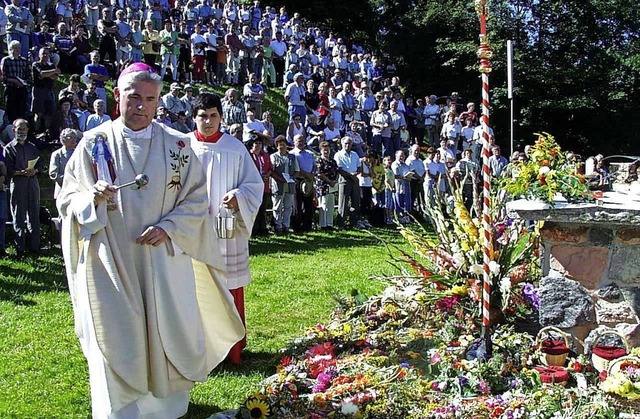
[233,185]
[305,193]
[63,118]
[172,102]
[337,79]
[295,97]
[142,261]
[187,103]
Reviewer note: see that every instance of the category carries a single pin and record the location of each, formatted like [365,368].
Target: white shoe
[360,224]
[366,223]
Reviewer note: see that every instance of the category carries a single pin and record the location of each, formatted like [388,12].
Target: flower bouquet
[547,174]
[622,382]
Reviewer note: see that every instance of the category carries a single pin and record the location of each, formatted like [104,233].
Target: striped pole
[485,53]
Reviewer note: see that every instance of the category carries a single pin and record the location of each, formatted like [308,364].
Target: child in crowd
[221,60]
[377,181]
[389,190]
[366,189]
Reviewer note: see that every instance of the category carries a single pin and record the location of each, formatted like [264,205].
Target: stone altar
[590,266]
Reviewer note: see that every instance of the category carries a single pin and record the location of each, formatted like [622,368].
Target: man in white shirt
[172,102]
[349,167]
[254,126]
[279,52]
[431,114]
[416,165]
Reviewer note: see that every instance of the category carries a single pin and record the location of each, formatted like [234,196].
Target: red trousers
[234,354]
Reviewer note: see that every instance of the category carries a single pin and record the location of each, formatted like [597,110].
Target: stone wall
[591,272]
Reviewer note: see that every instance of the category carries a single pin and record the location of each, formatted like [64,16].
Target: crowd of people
[355,137]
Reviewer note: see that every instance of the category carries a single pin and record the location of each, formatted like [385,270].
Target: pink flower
[484,387]
[436,358]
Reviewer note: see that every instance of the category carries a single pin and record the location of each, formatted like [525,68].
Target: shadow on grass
[262,363]
[21,278]
[201,411]
[297,243]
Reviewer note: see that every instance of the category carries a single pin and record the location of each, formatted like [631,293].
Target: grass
[43,372]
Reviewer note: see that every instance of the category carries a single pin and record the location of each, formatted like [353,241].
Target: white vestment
[230,168]
[151,320]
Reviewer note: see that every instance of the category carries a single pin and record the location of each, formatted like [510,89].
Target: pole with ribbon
[485,54]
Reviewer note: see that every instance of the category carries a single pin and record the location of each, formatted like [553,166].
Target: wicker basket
[622,402]
[601,356]
[553,352]
[553,375]
[617,364]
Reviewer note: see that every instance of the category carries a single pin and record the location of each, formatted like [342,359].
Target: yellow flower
[257,408]
[458,290]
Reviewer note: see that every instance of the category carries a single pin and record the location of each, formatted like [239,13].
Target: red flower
[286,360]
[577,367]
[181,144]
[602,375]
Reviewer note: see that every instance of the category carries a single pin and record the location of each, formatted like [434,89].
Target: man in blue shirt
[97,73]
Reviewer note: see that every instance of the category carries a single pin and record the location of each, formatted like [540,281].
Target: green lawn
[43,373]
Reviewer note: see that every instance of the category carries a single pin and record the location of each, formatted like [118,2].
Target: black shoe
[3,253]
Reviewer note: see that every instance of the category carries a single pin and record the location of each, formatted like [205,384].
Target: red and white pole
[485,53]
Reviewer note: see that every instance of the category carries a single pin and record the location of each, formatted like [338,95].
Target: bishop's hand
[102,191]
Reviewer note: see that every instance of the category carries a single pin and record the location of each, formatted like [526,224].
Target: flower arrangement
[411,351]
[624,379]
[547,174]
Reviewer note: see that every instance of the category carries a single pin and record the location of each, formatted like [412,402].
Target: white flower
[458,260]
[544,170]
[409,291]
[494,267]
[476,269]
[505,285]
[349,409]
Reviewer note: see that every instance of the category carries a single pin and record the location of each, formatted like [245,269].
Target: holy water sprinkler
[140,181]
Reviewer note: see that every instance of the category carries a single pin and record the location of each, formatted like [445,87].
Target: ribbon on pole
[485,54]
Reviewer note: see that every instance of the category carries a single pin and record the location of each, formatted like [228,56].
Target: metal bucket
[225,224]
